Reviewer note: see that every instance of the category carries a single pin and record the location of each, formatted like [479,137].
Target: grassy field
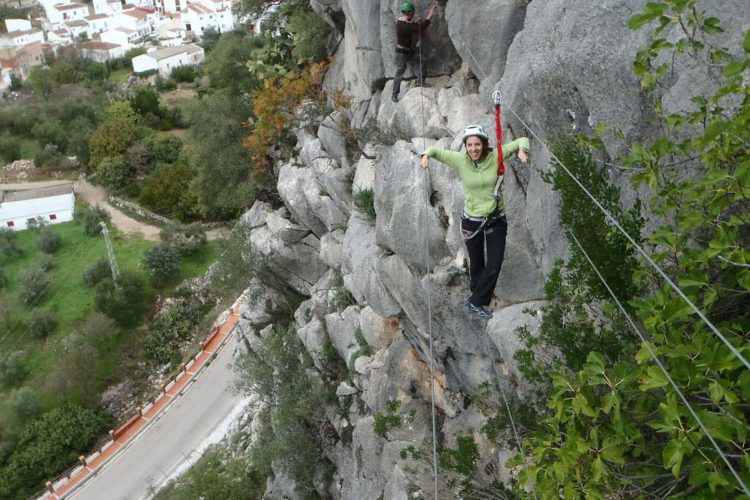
[119,75]
[72,302]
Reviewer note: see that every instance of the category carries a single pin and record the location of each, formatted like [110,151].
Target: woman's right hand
[424,161]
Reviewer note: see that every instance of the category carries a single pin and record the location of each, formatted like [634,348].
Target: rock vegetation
[562,65]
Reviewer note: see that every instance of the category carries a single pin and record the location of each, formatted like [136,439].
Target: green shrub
[97,272]
[163,262]
[49,240]
[162,342]
[9,243]
[188,239]
[41,324]
[10,149]
[184,74]
[295,425]
[3,278]
[24,404]
[125,303]
[34,285]
[13,367]
[364,202]
[48,445]
[114,173]
[90,217]
[45,262]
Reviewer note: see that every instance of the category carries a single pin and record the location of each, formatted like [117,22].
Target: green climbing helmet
[407,7]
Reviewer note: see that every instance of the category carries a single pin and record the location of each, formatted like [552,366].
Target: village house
[99,22]
[215,14]
[59,13]
[101,51]
[21,60]
[124,37]
[21,38]
[24,208]
[165,60]
[107,7]
[142,21]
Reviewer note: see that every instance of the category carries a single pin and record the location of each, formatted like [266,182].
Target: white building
[78,27]
[107,7]
[215,14]
[20,209]
[123,37]
[21,38]
[17,25]
[101,51]
[61,12]
[59,37]
[99,23]
[167,59]
[142,21]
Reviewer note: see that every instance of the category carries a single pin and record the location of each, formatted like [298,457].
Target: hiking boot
[421,84]
[394,97]
[477,311]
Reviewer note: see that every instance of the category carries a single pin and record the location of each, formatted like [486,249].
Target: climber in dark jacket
[408,34]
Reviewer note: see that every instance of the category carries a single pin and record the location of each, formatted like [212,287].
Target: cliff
[562,66]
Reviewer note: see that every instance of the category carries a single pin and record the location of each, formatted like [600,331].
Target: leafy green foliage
[163,341]
[96,272]
[386,421]
[9,243]
[295,427]
[184,74]
[113,172]
[90,217]
[617,426]
[116,134]
[49,444]
[167,191]
[13,367]
[222,182]
[10,149]
[49,240]
[309,34]
[189,239]
[34,285]
[162,262]
[216,475]
[124,303]
[41,324]
[364,202]
[226,64]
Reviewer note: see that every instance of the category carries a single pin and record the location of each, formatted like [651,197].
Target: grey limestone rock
[313,336]
[331,248]
[341,327]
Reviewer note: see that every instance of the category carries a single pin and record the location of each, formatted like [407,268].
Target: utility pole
[111,254]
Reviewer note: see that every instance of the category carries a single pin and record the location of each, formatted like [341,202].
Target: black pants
[483,272]
[419,68]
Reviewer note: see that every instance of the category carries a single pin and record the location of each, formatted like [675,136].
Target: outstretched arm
[451,158]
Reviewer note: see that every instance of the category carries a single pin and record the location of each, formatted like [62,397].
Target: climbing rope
[614,221]
[660,365]
[429,286]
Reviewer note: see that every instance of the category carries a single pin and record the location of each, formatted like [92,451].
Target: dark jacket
[407,33]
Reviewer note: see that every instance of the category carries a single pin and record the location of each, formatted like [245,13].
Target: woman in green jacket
[483,219]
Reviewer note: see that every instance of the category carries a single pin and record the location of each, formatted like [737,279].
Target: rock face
[563,66]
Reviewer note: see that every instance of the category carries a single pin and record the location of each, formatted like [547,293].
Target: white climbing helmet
[476,130]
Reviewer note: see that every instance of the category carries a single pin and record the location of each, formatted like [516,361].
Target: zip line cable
[661,366]
[638,247]
[429,286]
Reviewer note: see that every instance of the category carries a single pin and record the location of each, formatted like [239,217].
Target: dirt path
[96,195]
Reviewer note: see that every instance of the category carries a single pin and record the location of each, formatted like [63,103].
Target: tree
[50,132]
[91,217]
[34,285]
[3,278]
[24,404]
[10,149]
[41,81]
[226,64]
[48,445]
[49,240]
[163,262]
[166,191]
[124,303]
[97,272]
[165,148]
[41,324]
[114,173]
[64,73]
[189,239]
[146,100]
[13,367]
[139,158]
[222,182]
[96,72]
[309,34]
[16,84]
[8,243]
[184,74]
[116,134]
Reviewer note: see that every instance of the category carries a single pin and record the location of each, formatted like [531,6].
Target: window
[11,223]
[53,217]
[30,222]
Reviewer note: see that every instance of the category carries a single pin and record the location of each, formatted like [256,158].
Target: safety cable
[661,366]
[638,247]
[429,287]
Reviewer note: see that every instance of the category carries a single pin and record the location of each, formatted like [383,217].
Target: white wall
[143,63]
[20,211]
[17,25]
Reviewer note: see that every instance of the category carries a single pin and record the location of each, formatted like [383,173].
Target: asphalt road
[162,449]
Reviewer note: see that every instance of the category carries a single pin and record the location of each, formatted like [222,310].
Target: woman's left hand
[523,155]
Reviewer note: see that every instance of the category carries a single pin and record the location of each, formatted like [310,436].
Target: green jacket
[478,178]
